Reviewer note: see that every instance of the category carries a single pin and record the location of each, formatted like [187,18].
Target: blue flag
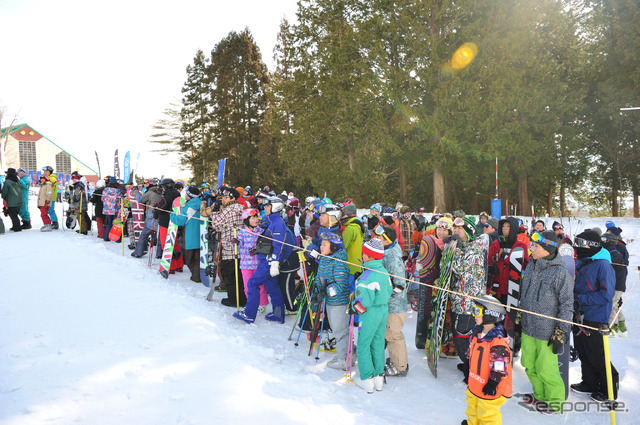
[127,167]
[221,164]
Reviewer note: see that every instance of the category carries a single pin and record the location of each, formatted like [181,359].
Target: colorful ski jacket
[110,201]
[276,231]
[595,287]
[247,238]
[489,358]
[336,275]
[189,217]
[373,287]
[469,273]
[54,185]
[392,261]
[352,235]
[547,289]
[26,184]
[228,218]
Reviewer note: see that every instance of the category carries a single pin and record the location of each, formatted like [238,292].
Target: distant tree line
[367,100]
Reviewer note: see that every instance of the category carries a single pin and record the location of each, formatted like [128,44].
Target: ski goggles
[538,238]
[580,242]
[484,214]
[379,230]
[558,227]
[458,222]
[477,311]
[443,224]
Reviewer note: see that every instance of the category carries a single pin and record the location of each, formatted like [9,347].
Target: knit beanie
[193,191]
[373,248]
[550,237]
[591,249]
[469,226]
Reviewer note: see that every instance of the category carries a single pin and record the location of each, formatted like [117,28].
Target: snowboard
[172,231]
[116,230]
[204,250]
[516,260]
[212,258]
[137,216]
[439,313]
[566,253]
[429,256]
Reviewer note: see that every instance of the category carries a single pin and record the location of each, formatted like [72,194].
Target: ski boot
[622,329]
[54,225]
[26,224]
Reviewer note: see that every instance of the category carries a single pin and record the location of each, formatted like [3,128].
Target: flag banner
[221,164]
[116,165]
[127,167]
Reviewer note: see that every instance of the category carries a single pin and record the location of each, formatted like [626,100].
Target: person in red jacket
[499,253]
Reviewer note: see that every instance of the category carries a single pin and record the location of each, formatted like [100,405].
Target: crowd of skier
[357,277]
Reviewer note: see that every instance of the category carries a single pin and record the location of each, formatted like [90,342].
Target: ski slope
[88,336]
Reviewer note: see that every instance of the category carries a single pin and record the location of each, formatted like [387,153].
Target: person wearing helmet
[270,251]
[110,206]
[332,280]
[226,215]
[48,173]
[490,377]
[482,220]
[398,362]
[44,199]
[163,210]
[189,217]
[247,238]
[329,223]
[547,288]
[468,278]
[152,196]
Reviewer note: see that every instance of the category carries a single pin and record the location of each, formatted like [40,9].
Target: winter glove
[490,387]
[518,317]
[252,252]
[454,237]
[502,255]
[216,206]
[206,197]
[47,203]
[275,268]
[356,308]
[557,340]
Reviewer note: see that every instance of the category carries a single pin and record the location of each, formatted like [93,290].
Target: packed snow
[90,336]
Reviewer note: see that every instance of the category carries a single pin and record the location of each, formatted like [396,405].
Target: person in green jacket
[352,235]
[373,290]
[24,210]
[12,194]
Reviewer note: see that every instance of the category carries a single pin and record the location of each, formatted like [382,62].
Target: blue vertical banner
[127,167]
[221,164]
[33,182]
[496,208]
[39,174]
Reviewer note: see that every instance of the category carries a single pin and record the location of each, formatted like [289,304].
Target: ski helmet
[168,183]
[492,310]
[249,213]
[276,203]
[333,211]
[335,241]
[48,168]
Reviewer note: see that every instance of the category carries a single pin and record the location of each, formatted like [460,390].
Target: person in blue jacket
[594,289]
[270,252]
[189,217]
[24,210]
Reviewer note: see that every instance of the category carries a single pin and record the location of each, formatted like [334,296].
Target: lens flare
[464,56]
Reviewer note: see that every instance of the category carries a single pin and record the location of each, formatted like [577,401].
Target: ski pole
[303,260]
[235,256]
[350,350]
[297,316]
[302,325]
[324,303]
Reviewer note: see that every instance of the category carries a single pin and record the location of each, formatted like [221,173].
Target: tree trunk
[474,199]
[403,183]
[562,199]
[438,190]
[550,201]
[614,202]
[523,195]
[635,189]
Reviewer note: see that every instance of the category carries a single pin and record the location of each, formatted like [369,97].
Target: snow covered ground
[88,336]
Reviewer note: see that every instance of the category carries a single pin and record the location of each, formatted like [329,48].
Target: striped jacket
[334,273]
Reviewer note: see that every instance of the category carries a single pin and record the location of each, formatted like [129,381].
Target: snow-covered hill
[88,336]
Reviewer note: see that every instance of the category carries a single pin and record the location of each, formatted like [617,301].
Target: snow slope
[88,336]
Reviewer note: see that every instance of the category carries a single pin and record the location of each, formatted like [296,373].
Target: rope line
[450,291]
